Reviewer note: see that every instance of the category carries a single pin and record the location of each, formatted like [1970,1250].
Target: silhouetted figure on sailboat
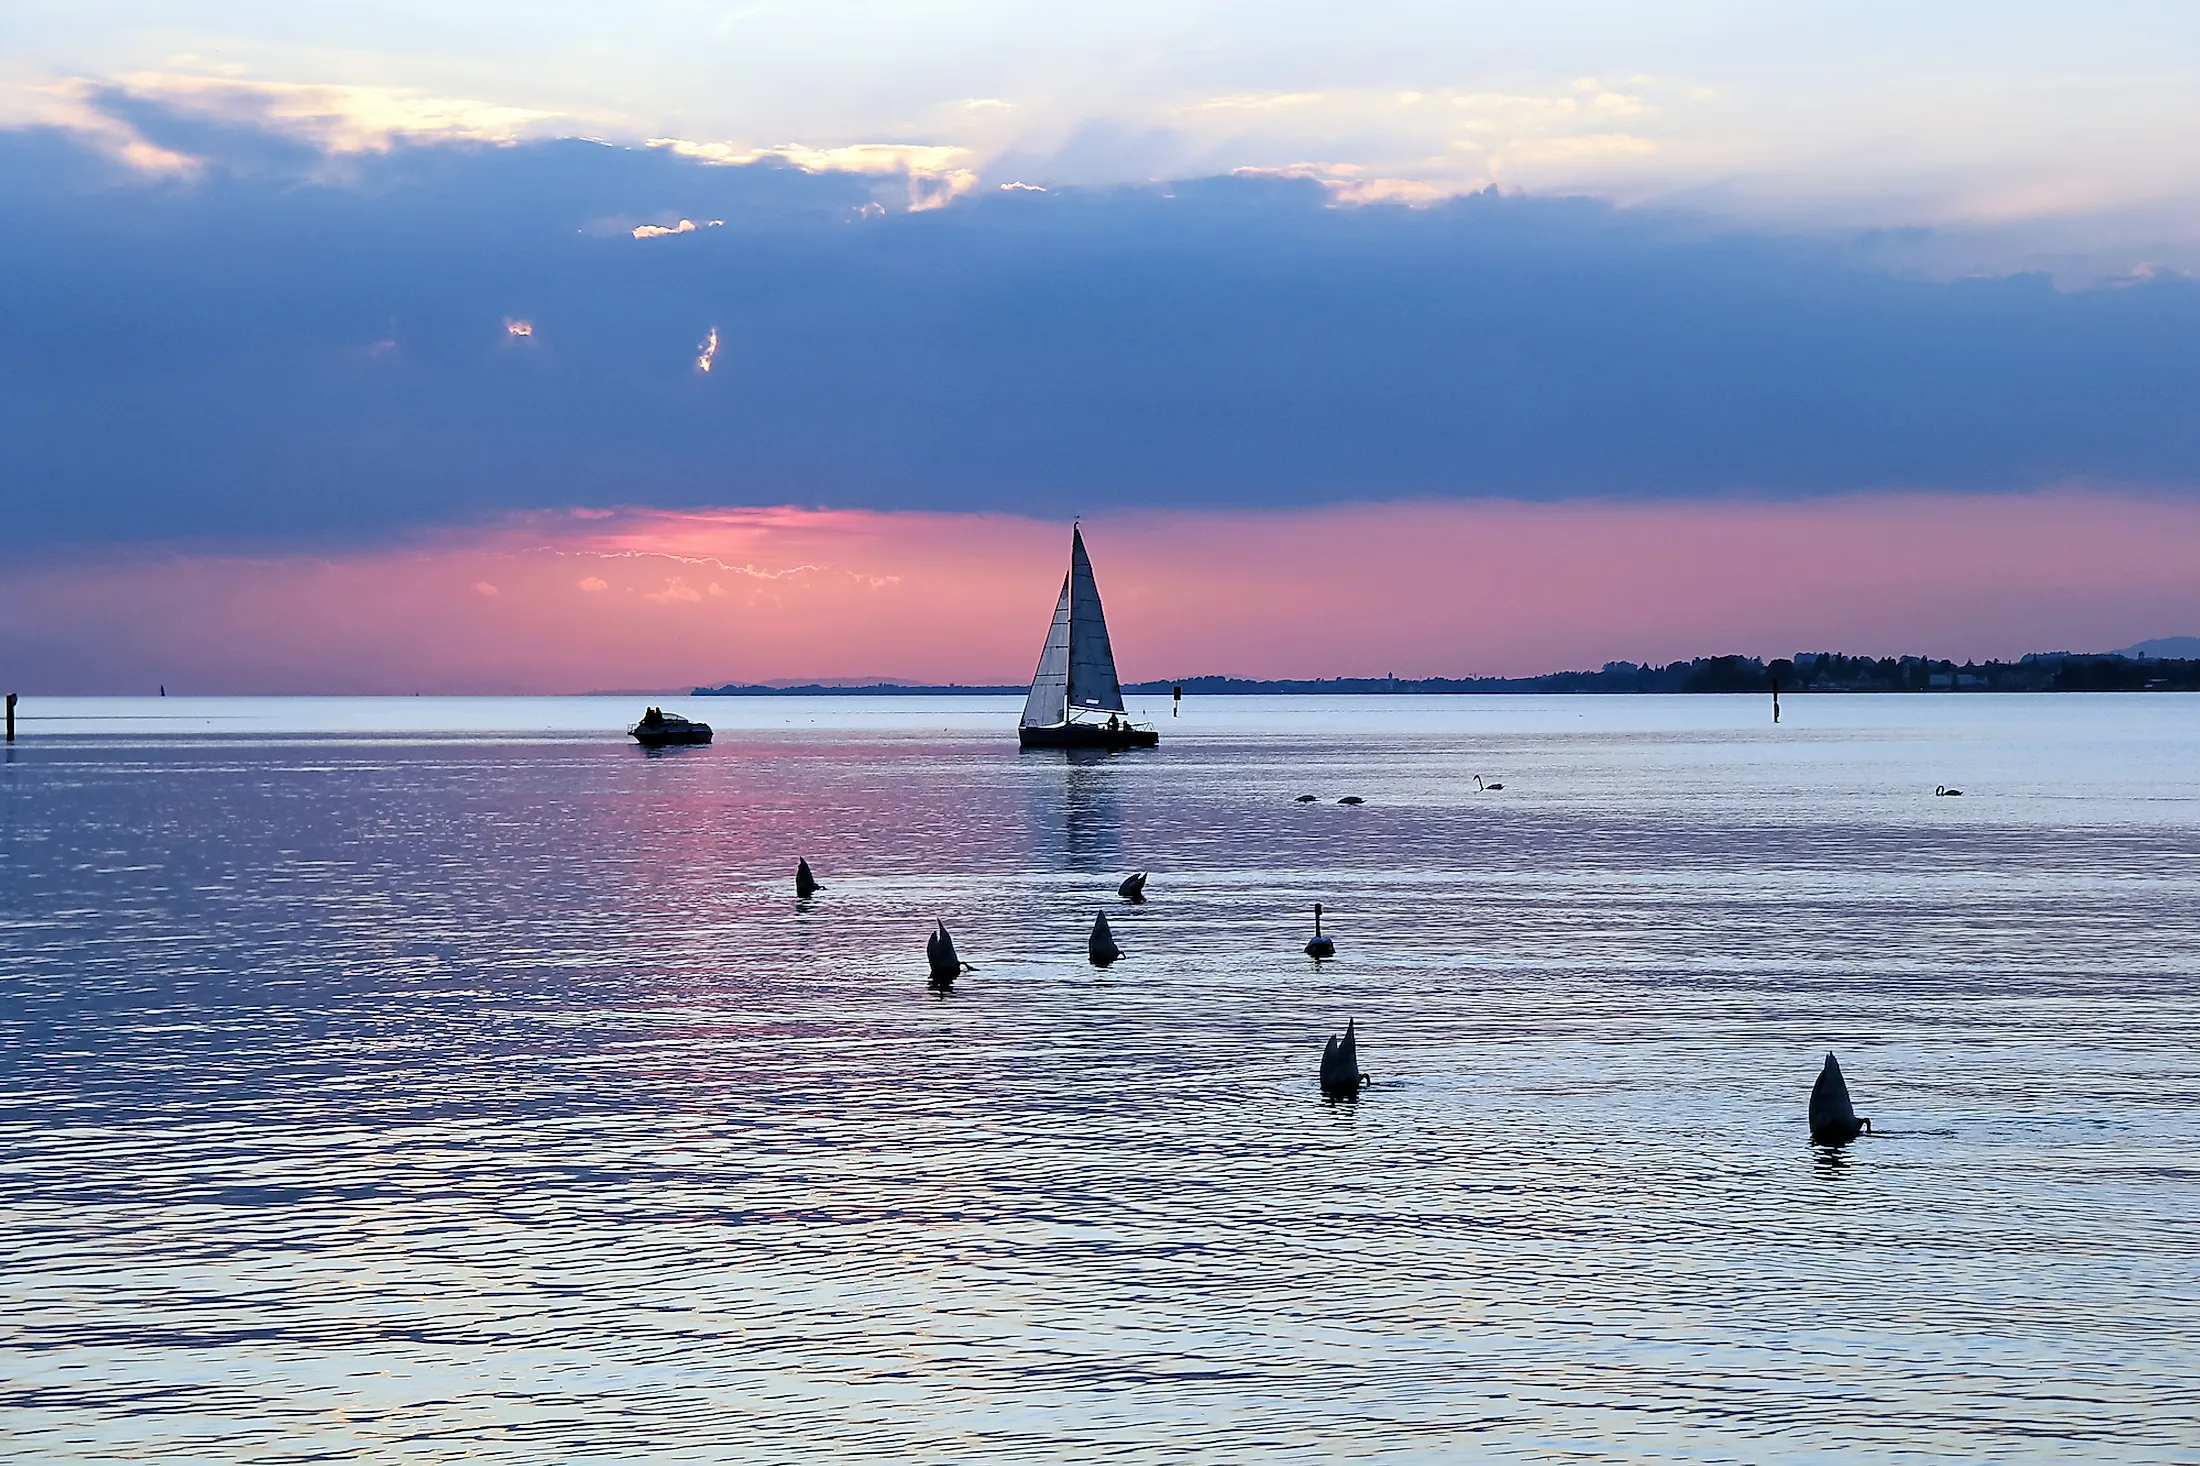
[1076,700]
[1133,888]
[1100,946]
[1833,1120]
[939,951]
[1341,1076]
[805,884]
[1321,946]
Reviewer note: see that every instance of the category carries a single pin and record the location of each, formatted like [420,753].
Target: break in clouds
[284,344]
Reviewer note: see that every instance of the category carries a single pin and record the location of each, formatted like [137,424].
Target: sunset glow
[643,598]
[1492,339]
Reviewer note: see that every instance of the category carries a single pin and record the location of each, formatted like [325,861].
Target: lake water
[425,1080]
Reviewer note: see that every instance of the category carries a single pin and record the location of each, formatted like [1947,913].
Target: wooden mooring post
[11,717]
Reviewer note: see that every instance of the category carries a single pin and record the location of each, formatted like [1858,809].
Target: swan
[1304,799]
[805,884]
[1942,791]
[1100,946]
[939,952]
[1321,946]
[1480,787]
[1352,799]
[1133,887]
[1341,1076]
[1833,1120]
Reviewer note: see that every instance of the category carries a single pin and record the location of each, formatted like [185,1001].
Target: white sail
[1092,681]
[1048,703]
[1077,665]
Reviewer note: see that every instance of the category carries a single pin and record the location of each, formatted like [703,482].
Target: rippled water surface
[420,1081]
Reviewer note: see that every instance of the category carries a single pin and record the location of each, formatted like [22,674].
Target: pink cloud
[675,590]
[1479,587]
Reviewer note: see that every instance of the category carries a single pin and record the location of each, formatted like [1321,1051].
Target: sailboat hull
[1085,735]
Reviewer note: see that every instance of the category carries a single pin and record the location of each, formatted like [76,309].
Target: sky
[548,347]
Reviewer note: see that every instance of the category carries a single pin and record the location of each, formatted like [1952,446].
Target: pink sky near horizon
[640,598]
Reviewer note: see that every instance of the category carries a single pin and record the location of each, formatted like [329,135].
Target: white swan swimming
[1321,946]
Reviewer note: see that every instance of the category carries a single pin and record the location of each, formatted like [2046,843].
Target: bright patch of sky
[2078,126]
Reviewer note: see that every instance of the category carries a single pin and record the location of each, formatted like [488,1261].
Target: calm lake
[427,1080]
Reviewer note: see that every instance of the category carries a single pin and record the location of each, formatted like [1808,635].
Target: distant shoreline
[1809,672]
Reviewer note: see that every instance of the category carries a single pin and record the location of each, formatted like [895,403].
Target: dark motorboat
[1076,701]
[658,728]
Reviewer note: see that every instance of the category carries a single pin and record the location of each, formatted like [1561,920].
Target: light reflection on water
[426,1094]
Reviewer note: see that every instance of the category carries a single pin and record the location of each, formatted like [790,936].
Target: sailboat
[1076,701]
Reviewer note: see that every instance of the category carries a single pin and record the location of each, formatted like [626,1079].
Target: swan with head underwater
[1833,1119]
[940,956]
[1100,947]
[805,884]
[1320,946]
[1341,1076]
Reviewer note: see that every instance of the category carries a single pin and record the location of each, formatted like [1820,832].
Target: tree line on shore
[1804,672]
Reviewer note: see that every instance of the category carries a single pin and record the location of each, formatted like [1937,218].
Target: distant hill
[849,689]
[2180,648]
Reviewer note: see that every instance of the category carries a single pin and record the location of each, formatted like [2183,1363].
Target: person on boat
[655,717]
[1114,724]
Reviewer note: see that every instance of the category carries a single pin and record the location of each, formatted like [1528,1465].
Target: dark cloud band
[287,344]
